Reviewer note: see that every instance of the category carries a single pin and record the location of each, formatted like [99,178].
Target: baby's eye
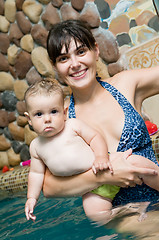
[54,111]
[38,114]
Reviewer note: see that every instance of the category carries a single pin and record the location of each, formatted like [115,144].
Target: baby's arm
[35,182]
[97,144]
[150,180]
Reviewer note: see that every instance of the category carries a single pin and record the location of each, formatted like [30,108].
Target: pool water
[64,219]
[58,219]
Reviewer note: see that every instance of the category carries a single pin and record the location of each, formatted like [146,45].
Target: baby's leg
[139,161]
[98,208]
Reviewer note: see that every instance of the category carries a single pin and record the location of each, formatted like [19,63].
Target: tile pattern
[14,181]
[144,55]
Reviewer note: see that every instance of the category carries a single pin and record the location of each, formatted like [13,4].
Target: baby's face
[46,114]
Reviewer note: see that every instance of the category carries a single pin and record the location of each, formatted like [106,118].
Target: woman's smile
[79,74]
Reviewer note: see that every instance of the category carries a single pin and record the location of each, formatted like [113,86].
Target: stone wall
[24,27]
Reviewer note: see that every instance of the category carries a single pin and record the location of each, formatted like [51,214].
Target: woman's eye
[54,111]
[82,51]
[62,59]
[39,114]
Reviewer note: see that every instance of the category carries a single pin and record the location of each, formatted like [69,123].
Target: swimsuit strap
[71,109]
[134,130]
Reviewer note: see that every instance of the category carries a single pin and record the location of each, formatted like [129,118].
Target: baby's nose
[47,118]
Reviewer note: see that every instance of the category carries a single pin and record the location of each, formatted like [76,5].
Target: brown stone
[1,7]
[102,69]
[19,4]
[4,65]
[6,81]
[3,118]
[22,121]
[20,86]
[39,35]
[22,64]
[23,23]
[90,14]
[114,68]
[67,12]
[51,16]
[57,3]
[15,34]
[12,53]
[41,61]
[44,1]
[12,71]
[107,43]
[78,5]
[16,132]
[29,135]
[4,43]
[11,117]
[21,107]
[3,159]
[119,24]
[4,143]
[10,10]
[13,158]
[144,17]
[32,10]
[27,43]
[6,118]
[4,24]
[33,76]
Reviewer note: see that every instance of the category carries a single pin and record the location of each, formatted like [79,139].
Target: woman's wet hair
[62,33]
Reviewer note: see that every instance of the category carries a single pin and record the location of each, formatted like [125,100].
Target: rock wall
[24,27]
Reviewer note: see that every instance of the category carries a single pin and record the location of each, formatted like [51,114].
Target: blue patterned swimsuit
[135,136]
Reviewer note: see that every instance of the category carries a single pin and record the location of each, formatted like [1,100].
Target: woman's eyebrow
[81,46]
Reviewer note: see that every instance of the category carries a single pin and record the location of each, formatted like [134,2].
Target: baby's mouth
[47,129]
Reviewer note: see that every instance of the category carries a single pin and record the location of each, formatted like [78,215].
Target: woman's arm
[146,81]
[124,174]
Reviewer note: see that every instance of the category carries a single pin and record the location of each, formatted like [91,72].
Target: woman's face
[77,67]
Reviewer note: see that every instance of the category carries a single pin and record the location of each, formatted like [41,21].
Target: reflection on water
[65,219]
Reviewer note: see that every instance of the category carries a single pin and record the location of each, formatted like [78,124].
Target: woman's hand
[124,174]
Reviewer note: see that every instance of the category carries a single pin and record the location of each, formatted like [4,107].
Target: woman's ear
[28,117]
[97,51]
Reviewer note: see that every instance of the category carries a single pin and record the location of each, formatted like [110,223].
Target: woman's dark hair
[62,33]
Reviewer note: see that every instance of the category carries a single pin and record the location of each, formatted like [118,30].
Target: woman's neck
[88,93]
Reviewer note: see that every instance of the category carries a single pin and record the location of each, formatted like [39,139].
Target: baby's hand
[29,207]
[100,164]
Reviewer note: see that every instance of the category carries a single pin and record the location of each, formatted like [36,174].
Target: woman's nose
[74,62]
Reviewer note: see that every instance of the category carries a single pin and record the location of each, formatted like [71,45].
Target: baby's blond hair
[43,87]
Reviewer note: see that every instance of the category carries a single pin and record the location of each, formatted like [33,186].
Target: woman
[111,106]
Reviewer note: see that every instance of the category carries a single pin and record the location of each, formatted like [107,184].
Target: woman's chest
[106,118]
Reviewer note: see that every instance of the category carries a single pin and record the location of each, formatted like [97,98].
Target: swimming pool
[57,219]
[64,218]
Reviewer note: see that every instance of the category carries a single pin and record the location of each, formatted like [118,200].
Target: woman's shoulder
[120,79]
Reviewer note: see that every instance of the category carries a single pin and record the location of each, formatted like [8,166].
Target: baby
[68,147]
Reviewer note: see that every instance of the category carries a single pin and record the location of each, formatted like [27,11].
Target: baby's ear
[65,113]
[28,117]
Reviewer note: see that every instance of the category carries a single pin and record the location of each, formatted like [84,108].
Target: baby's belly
[72,159]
